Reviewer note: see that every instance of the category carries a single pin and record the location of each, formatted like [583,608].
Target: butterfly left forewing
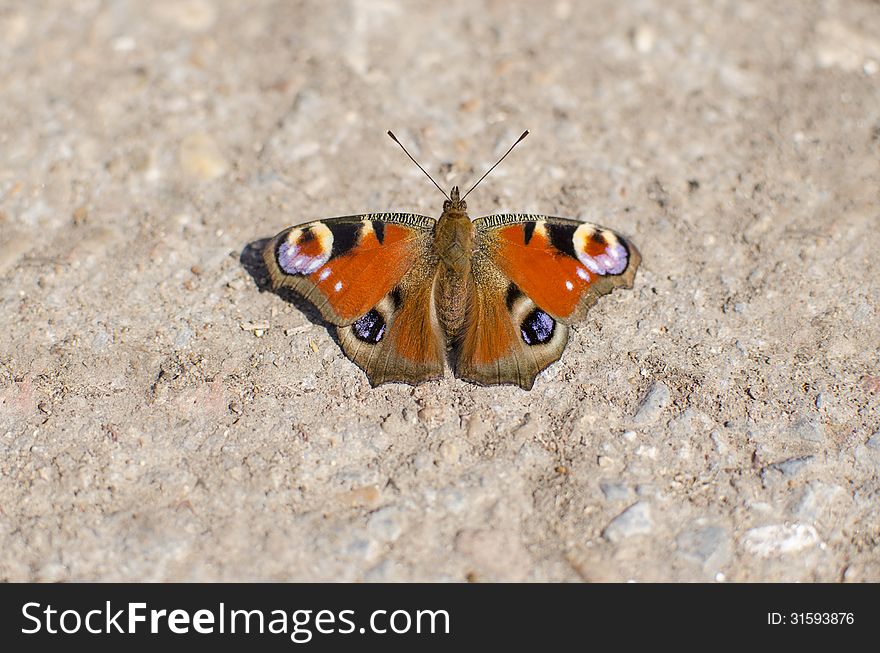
[371,276]
[345,266]
[533,275]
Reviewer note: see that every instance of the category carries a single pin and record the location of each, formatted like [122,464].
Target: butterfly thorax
[453,245]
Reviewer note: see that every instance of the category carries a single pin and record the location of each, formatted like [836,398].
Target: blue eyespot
[370,328]
[537,328]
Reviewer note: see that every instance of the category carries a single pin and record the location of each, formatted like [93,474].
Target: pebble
[808,428]
[254,326]
[450,451]
[497,553]
[874,441]
[841,46]
[200,157]
[367,496]
[700,544]
[779,539]
[191,15]
[818,502]
[652,405]
[386,524]
[792,466]
[635,520]
[643,38]
[10,251]
[614,491]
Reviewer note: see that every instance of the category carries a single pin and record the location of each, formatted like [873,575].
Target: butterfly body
[491,298]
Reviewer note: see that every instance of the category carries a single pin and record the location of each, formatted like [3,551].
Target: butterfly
[491,298]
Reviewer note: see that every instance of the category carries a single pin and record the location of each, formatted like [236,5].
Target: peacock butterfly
[492,297]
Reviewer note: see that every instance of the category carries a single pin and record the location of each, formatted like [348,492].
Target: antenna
[394,138]
[524,134]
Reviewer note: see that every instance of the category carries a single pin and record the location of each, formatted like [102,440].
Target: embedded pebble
[635,520]
[200,157]
[386,524]
[841,45]
[779,539]
[652,405]
[12,249]
[874,441]
[367,496]
[614,490]
[191,15]
[792,466]
[700,544]
[643,38]
[497,553]
[808,428]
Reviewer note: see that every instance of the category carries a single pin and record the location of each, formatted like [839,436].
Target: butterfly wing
[371,275]
[533,275]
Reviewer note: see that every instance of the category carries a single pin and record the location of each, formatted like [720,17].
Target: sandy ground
[164,417]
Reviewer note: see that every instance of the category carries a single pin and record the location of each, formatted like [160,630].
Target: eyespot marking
[537,328]
[370,328]
[600,251]
[305,249]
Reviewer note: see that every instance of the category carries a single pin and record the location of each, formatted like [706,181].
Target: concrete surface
[164,418]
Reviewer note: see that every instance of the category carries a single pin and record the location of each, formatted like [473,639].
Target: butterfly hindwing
[400,340]
[506,337]
[533,275]
[371,275]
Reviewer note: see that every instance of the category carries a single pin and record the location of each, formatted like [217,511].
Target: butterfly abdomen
[454,246]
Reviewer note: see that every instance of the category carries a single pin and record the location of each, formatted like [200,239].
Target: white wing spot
[324,274]
[338,286]
[569,284]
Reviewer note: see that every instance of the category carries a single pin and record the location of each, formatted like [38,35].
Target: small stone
[235,407]
[652,405]
[779,539]
[874,441]
[643,38]
[792,466]
[45,407]
[200,157]
[450,451]
[614,491]
[431,415]
[80,215]
[191,15]
[498,554]
[254,326]
[700,544]
[809,429]
[386,524]
[367,496]
[635,520]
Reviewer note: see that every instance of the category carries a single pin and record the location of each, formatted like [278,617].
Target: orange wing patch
[490,335]
[356,281]
[553,279]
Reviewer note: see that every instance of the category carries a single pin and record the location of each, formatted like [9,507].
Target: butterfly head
[455,204]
